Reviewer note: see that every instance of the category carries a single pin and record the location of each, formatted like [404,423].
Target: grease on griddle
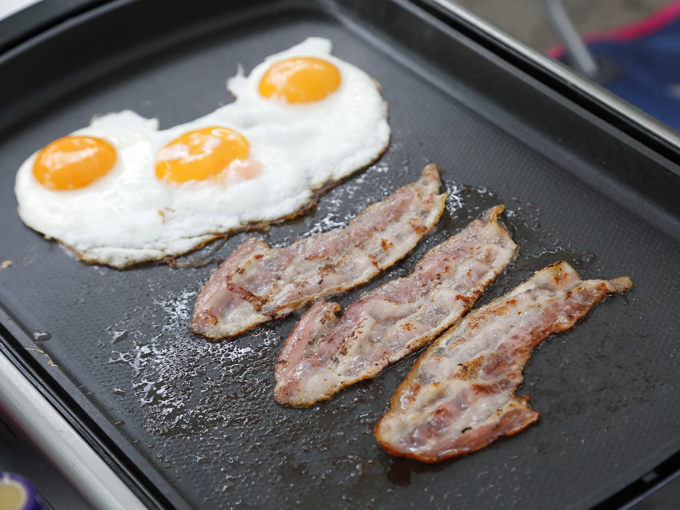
[119,336]
[185,386]
[215,400]
[538,247]
[41,336]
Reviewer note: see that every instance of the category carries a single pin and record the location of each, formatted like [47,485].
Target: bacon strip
[324,354]
[460,395]
[258,284]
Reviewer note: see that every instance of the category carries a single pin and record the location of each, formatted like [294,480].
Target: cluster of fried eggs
[121,192]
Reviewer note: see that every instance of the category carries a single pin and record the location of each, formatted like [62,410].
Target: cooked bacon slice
[258,284]
[324,354]
[460,395]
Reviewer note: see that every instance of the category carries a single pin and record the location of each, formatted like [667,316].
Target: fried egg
[121,191]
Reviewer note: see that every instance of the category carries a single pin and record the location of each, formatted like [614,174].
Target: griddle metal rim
[32,370]
[61,443]
[559,71]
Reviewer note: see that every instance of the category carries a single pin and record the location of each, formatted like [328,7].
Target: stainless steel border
[563,73]
[78,462]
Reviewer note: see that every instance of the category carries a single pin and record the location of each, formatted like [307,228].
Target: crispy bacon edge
[320,328]
[516,415]
[204,320]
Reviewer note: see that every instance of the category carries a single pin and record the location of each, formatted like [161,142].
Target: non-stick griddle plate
[192,424]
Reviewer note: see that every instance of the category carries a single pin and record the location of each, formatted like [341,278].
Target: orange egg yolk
[73,162]
[200,155]
[300,80]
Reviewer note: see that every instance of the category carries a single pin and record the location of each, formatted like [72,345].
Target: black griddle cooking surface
[195,422]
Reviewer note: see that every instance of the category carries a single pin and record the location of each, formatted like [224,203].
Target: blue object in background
[17,493]
[647,56]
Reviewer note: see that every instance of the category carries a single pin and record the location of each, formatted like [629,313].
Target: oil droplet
[119,336]
[41,336]
[119,423]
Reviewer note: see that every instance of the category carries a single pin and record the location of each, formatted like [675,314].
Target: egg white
[130,216]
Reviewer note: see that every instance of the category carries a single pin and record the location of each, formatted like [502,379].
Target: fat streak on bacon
[257,284]
[460,395]
[324,354]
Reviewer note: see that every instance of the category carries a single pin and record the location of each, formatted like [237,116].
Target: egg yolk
[73,162]
[200,155]
[300,80]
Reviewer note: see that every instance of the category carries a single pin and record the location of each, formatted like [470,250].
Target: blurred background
[527,19]
[631,47]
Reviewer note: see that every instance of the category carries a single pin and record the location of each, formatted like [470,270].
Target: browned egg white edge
[262,226]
